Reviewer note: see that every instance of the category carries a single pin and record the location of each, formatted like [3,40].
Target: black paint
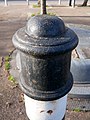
[45,46]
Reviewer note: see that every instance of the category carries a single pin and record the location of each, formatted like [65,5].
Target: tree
[85,3]
[42,3]
[39,2]
[43,7]
[70,2]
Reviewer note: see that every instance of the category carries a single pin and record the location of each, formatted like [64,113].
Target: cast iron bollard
[45,46]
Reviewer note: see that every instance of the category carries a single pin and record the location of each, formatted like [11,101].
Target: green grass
[39,14]
[7,58]
[11,78]
[51,14]
[7,65]
[77,110]
[36,6]
[32,15]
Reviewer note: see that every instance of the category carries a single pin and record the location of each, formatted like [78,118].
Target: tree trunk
[70,2]
[85,3]
[39,2]
[43,7]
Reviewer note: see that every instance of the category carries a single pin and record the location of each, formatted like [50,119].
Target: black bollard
[45,45]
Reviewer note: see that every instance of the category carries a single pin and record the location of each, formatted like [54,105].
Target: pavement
[12,18]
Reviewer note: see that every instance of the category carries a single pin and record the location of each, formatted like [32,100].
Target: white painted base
[59,2]
[45,110]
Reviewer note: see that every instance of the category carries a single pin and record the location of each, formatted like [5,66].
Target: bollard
[6,2]
[59,2]
[45,46]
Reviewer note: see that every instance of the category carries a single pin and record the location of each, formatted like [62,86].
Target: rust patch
[41,111]
[50,112]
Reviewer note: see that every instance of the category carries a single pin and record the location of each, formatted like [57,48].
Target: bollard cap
[47,44]
[45,35]
[45,26]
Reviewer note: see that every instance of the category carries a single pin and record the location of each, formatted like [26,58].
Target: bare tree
[85,3]
[70,2]
[39,2]
[43,7]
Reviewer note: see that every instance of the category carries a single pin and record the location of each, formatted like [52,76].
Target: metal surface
[45,26]
[45,46]
[6,2]
[45,110]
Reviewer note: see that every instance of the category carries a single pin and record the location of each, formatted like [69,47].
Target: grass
[11,78]
[7,65]
[7,58]
[37,6]
[32,15]
[39,14]
[51,14]
[77,110]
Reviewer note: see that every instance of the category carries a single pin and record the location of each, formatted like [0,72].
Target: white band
[45,110]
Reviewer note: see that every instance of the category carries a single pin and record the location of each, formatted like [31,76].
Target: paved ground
[12,18]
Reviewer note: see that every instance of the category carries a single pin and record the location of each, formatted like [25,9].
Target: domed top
[45,26]
[45,35]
